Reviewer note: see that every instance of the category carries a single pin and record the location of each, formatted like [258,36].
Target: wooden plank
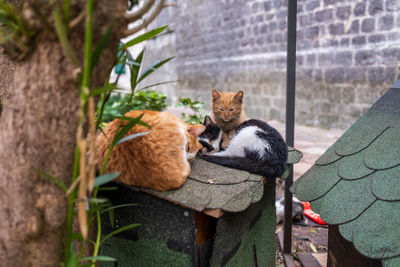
[308,260]
[288,260]
[287,257]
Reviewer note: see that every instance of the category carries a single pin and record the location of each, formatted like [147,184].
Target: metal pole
[290,106]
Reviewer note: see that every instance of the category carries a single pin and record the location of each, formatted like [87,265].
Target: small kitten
[227,113]
[256,147]
[158,160]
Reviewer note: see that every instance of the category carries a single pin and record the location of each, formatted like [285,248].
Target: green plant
[83,193]
[18,25]
[14,31]
[198,114]
[150,100]
[135,65]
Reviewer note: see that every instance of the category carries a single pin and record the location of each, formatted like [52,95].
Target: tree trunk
[6,70]
[38,131]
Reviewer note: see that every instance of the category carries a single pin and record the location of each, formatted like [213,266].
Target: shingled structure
[355,184]
[219,217]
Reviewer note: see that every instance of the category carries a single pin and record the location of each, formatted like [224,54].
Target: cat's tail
[265,169]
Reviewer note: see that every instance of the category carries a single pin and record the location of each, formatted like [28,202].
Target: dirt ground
[305,237]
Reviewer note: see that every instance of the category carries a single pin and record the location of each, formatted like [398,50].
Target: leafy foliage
[197,109]
[111,106]
[14,33]
[150,100]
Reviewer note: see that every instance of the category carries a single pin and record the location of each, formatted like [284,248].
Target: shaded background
[347,55]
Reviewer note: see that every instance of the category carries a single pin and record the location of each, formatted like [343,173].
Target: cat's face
[227,106]
[193,145]
[210,139]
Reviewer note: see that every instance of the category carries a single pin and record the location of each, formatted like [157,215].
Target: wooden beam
[308,260]
[287,257]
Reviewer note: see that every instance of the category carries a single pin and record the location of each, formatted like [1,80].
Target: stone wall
[348,54]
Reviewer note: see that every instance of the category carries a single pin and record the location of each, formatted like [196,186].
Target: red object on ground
[312,215]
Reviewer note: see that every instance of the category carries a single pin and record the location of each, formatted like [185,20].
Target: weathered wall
[348,54]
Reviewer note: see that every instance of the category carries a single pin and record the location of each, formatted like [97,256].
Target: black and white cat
[256,147]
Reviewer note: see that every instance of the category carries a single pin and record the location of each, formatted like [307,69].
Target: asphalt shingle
[356,182]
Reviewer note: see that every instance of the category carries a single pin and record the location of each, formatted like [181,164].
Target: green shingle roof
[356,182]
[294,155]
[211,186]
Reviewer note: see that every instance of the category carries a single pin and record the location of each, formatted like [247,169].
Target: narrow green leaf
[55,180]
[77,236]
[156,84]
[98,200]
[119,230]
[103,89]
[146,36]
[123,131]
[9,23]
[129,137]
[100,113]
[87,57]
[67,8]
[156,65]
[62,36]
[118,207]
[134,68]
[105,178]
[111,216]
[98,207]
[98,258]
[101,45]
[72,261]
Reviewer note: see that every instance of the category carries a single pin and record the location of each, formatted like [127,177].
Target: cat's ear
[215,94]
[238,97]
[196,129]
[207,121]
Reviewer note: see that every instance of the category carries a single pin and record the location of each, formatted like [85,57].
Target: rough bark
[38,131]
[7,71]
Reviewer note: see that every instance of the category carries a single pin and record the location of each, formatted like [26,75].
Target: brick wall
[348,54]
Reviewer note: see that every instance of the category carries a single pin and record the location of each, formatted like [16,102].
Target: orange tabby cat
[227,113]
[158,160]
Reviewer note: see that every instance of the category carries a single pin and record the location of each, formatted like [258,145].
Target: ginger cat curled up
[158,160]
[227,113]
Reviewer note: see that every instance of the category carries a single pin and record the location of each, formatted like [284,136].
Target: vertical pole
[290,105]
